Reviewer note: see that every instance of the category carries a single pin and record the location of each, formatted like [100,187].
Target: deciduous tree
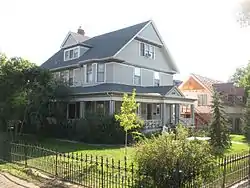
[128,117]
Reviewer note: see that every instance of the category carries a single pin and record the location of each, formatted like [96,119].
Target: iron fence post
[25,155]
[224,172]
[56,163]
[249,166]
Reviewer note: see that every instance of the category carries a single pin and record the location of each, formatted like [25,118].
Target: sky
[202,36]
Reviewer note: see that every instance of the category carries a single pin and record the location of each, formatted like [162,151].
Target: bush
[171,160]
[98,129]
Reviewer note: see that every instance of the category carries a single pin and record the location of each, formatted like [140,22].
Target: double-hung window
[156,79]
[71,79]
[100,72]
[147,50]
[89,73]
[137,76]
[202,100]
[71,53]
[74,110]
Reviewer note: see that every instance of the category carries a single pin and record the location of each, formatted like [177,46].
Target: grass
[118,152]
[239,145]
[111,152]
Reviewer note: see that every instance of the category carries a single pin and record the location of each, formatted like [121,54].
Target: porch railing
[186,121]
[152,124]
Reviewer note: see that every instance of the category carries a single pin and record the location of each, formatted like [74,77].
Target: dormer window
[71,53]
[147,50]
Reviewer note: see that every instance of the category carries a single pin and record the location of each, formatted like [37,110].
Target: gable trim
[175,89]
[66,38]
[142,39]
[167,53]
[166,49]
[132,38]
[197,80]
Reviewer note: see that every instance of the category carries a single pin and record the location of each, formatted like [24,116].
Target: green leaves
[26,89]
[160,157]
[128,117]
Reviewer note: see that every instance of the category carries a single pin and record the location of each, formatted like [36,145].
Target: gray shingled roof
[112,87]
[102,46]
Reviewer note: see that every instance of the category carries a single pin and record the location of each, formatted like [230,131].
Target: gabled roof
[76,36]
[102,46]
[229,88]
[121,88]
[206,82]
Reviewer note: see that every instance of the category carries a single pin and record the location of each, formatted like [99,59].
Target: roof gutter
[80,63]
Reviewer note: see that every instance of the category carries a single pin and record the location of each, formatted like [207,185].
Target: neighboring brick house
[202,88]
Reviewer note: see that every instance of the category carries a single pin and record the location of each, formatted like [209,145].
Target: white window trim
[75,110]
[75,81]
[67,50]
[85,74]
[96,75]
[156,109]
[86,70]
[73,75]
[156,79]
[134,76]
[144,50]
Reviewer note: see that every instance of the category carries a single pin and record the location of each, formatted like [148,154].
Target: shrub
[99,129]
[171,160]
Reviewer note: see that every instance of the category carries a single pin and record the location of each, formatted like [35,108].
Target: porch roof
[122,88]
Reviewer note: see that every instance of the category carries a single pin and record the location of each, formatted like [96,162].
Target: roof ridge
[198,75]
[110,32]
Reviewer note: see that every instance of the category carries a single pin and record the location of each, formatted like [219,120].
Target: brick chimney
[81,31]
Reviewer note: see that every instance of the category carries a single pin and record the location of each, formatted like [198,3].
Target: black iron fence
[95,171]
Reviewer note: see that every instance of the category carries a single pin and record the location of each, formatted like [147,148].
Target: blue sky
[202,35]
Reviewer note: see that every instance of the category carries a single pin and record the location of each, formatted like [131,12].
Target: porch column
[171,113]
[177,113]
[82,109]
[111,107]
[163,111]
[192,114]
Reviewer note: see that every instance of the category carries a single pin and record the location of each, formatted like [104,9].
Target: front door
[149,111]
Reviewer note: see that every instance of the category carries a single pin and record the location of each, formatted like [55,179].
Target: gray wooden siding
[109,72]
[147,77]
[123,74]
[131,55]
[150,34]
[70,41]
[166,79]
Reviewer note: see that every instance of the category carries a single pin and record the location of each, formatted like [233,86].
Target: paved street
[8,181]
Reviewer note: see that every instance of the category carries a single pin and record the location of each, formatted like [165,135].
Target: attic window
[71,53]
[147,50]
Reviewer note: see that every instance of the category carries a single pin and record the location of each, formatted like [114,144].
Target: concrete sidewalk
[9,181]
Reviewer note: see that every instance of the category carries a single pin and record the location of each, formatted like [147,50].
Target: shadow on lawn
[28,147]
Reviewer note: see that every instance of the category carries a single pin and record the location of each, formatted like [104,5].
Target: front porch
[155,112]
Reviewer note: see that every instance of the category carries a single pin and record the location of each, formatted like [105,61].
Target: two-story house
[100,69]
[202,88]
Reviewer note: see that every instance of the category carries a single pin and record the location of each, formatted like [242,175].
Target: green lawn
[118,152]
[239,145]
[111,152]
